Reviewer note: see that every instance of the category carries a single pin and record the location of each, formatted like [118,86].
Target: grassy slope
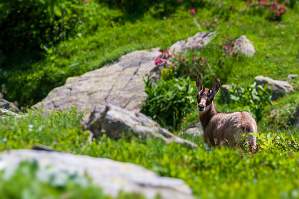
[275,42]
[220,173]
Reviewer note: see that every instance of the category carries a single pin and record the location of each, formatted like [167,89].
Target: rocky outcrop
[279,88]
[117,122]
[111,176]
[120,83]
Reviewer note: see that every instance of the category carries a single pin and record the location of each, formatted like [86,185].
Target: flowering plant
[275,8]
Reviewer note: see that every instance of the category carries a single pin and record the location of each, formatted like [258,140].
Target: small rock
[292,76]
[117,122]
[241,46]
[198,41]
[279,88]
[111,176]
[5,112]
[195,130]
[4,104]
[244,46]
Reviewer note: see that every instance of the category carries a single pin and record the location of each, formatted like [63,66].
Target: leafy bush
[254,96]
[35,24]
[207,64]
[191,64]
[274,9]
[169,101]
[282,114]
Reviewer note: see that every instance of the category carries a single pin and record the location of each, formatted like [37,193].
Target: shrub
[274,9]
[254,96]
[207,64]
[169,101]
[35,24]
[191,64]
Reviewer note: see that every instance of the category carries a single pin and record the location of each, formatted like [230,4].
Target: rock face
[278,87]
[121,83]
[244,46]
[111,176]
[117,122]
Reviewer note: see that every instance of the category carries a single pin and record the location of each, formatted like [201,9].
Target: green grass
[275,42]
[218,173]
[24,183]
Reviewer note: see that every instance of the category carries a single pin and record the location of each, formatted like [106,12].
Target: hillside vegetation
[32,65]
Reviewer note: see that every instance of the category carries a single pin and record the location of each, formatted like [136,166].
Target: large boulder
[111,176]
[117,122]
[278,87]
[120,83]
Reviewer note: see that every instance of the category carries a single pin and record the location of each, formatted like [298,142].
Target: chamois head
[205,96]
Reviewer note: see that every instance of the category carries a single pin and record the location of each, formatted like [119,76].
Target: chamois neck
[207,115]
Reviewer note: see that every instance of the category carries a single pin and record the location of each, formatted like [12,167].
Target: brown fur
[224,128]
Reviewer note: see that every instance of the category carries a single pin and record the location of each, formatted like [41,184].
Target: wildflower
[193,11]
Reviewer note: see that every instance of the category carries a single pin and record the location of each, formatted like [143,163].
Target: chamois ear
[215,87]
[198,84]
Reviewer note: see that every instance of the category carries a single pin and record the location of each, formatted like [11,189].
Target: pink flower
[193,11]
[263,2]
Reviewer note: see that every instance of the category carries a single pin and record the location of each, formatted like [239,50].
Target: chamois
[223,128]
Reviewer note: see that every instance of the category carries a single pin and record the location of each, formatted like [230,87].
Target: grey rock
[244,46]
[4,104]
[279,88]
[240,46]
[195,130]
[117,122]
[292,76]
[120,83]
[225,93]
[197,41]
[111,176]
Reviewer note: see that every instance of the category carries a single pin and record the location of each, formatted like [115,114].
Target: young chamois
[223,128]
